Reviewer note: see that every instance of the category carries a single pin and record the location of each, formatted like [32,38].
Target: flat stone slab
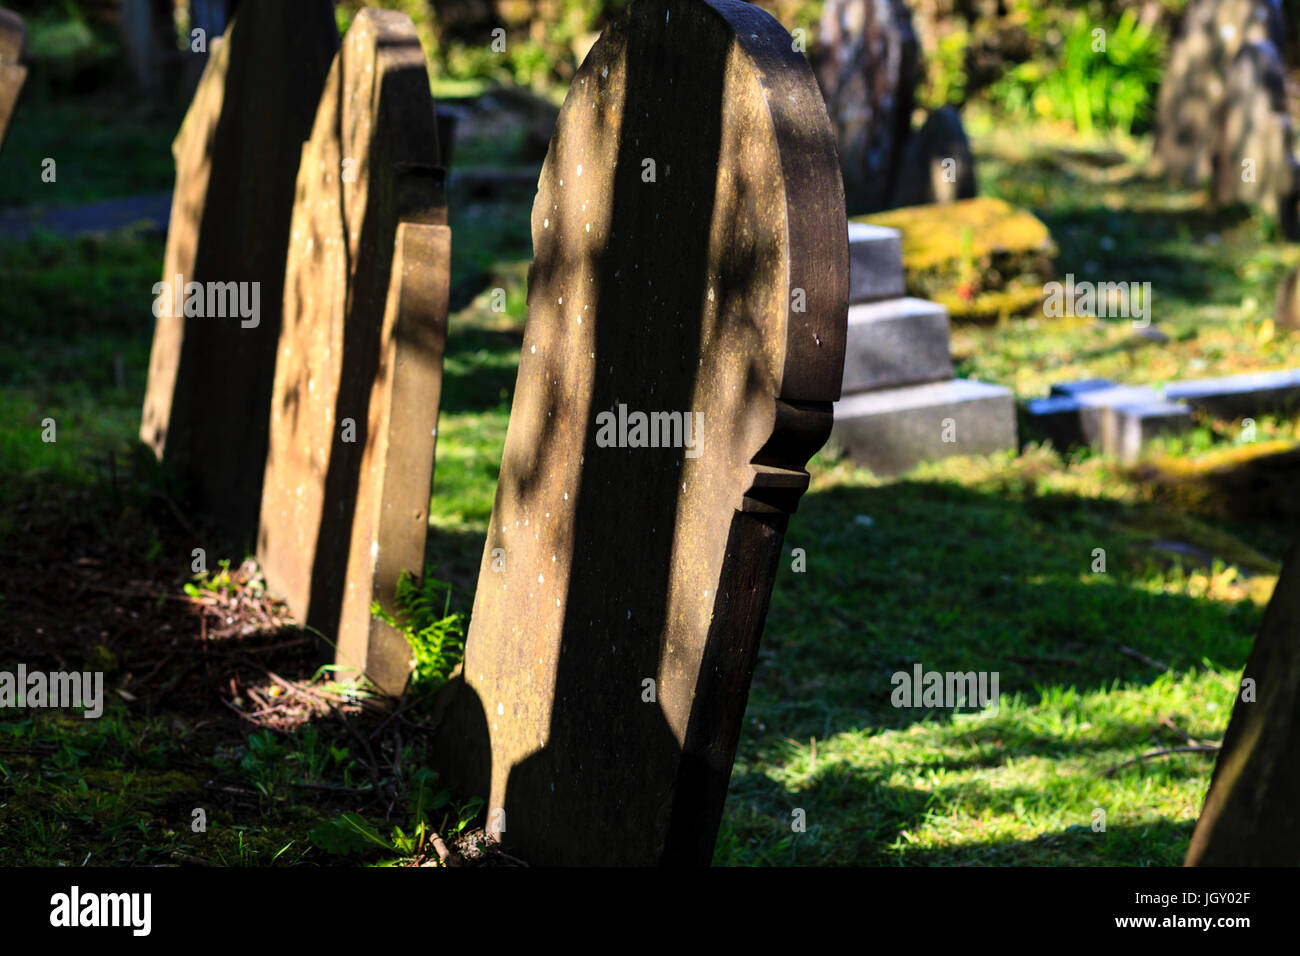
[1118,420]
[1081,386]
[1234,396]
[893,431]
[1130,427]
[208,402]
[875,263]
[369,165]
[896,342]
[627,571]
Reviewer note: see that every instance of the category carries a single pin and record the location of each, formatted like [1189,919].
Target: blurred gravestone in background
[1195,83]
[12,72]
[1253,161]
[159,46]
[209,394]
[690,259]
[370,164]
[867,66]
[1251,815]
[937,164]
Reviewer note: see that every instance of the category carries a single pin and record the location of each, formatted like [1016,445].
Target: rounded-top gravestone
[685,342]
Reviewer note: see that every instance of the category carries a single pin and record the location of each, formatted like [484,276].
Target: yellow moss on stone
[991,306]
[983,259]
[932,234]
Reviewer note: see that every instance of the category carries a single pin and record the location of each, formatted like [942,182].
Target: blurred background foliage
[1021,59]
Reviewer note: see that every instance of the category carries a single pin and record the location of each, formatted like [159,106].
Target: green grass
[979,565]
[102,149]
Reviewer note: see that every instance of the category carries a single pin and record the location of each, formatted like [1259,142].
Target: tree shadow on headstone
[628,555]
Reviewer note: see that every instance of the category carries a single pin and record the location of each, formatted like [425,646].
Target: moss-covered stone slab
[982,259]
[691,264]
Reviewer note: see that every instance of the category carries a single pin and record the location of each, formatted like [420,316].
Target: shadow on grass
[960,580]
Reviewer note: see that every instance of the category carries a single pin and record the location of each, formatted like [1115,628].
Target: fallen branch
[1164,752]
[1138,655]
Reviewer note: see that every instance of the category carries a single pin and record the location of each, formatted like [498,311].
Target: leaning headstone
[1254,162]
[12,73]
[1251,815]
[213,361]
[369,165]
[937,163]
[867,66]
[1192,90]
[685,341]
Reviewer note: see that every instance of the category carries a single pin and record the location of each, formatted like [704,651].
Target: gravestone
[691,258]
[1254,162]
[937,163]
[13,37]
[209,394]
[369,165]
[867,66]
[1190,102]
[1251,815]
[1286,312]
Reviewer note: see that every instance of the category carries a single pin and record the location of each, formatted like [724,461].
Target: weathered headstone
[867,65]
[685,342]
[1254,162]
[1190,101]
[210,373]
[369,165]
[13,37]
[1251,815]
[937,163]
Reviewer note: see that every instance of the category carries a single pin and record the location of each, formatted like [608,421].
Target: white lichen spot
[501,709]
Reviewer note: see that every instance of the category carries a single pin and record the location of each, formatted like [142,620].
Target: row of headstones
[1222,112]
[293,381]
[683,349]
[625,579]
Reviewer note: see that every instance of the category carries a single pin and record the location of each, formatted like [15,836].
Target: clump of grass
[437,637]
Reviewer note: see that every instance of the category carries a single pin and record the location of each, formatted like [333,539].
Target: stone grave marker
[1190,102]
[13,36]
[213,361]
[351,443]
[1251,815]
[1254,162]
[867,65]
[937,164]
[901,405]
[685,342]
